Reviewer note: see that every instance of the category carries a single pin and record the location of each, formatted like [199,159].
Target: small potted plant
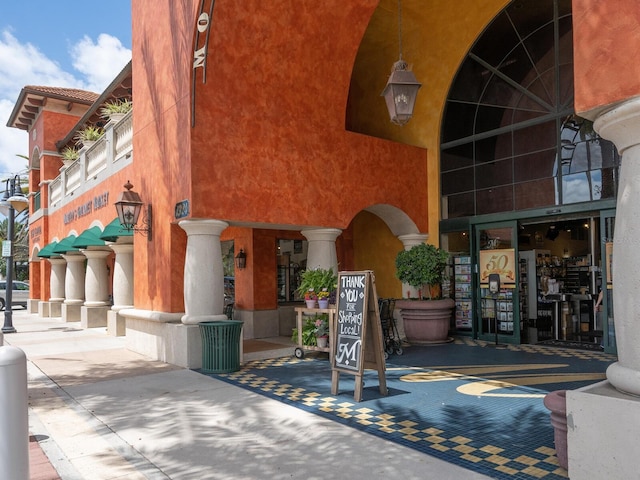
[426,319]
[323,298]
[88,135]
[69,155]
[322,330]
[115,110]
[308,332]
[316,283]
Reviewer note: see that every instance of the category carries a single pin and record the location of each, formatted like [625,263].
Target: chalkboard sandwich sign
[358,334]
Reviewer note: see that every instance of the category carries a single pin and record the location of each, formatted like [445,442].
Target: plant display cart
[300,313]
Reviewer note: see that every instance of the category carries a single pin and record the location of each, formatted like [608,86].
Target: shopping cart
[391,338]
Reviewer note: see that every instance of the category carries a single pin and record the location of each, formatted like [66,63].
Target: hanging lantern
[402,87]
[400,93]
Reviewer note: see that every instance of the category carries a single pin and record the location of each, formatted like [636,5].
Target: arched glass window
[510,137]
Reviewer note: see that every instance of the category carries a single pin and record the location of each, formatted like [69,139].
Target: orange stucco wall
[270,143]
[606,44]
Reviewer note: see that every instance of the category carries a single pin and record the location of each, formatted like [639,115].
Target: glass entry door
[497,317]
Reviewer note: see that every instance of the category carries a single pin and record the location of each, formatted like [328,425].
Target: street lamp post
[14,200]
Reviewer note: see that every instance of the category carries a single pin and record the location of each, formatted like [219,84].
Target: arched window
[510,137]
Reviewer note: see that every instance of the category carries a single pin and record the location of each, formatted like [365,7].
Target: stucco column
[122,276]
[96,280]
[56,280]
[74,279]
[411,240]
[322,248]
[203,271]
[621,125]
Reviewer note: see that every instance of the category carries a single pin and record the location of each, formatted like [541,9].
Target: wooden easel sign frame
[357,336]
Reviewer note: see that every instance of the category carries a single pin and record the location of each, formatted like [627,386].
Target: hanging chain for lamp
[400,32]
[402,87]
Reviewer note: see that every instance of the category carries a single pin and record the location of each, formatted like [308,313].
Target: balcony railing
[96,163]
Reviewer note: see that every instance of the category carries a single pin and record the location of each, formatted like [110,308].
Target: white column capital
[621,125]
[322,234]
[322,248]
[96,253]
[203,227]
[412,239]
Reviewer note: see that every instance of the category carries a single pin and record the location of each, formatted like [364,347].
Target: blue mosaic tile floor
[479,408]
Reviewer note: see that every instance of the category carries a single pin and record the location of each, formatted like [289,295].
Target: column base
[70,312]
[49,309]
[33,305]
[173,343]
[92,317]
[116,324]
[43,309]
[602,411]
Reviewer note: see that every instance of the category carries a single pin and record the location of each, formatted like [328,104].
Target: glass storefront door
[497,316]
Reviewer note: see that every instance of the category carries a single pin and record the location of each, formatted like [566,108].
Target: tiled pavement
[467,403]
[101,412]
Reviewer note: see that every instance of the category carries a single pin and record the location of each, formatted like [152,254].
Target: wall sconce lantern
[241,260]
[402,87]
[129,206]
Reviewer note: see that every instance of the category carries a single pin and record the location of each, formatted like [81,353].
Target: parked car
[19,294]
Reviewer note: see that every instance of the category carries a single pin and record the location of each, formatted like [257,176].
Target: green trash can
[220,346]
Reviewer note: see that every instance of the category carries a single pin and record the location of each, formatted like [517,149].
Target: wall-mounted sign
[203,24]
[34,234]
[182,209]
[98,202]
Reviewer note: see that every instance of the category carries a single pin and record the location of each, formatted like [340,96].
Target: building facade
[260,128]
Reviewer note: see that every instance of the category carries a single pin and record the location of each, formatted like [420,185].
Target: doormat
[593,347]
[502,433]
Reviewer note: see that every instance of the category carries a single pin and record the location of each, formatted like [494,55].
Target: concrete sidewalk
[100,411]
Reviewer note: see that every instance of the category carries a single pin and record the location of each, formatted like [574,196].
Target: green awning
[89,238]
[65,245]
[114,230]
[47,251]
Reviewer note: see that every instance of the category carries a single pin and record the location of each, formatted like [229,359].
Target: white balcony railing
[96,163]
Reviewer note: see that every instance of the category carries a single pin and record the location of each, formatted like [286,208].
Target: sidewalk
[100,411]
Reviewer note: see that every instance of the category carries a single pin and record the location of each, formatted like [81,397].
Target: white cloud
[24,64]
[100,62]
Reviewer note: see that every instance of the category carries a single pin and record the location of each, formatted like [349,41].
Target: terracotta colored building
[260,127]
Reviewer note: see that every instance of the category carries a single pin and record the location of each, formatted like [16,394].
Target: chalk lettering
[348,352]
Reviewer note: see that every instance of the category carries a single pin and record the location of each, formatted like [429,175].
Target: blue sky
[60,43]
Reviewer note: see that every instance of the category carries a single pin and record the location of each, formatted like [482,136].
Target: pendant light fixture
[402,87]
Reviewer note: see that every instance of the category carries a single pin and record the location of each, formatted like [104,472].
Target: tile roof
[71,93]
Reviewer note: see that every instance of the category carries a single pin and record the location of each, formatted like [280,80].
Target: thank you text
[351,320]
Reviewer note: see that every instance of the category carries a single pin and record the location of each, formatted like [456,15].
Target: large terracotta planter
[556,402]
[426,322]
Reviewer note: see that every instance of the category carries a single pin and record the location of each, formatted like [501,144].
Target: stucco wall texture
[606,47]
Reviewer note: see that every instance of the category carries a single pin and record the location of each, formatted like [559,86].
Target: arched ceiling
[436,36]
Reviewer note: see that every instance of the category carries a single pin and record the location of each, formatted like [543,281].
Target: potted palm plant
[114,110]
[69,155]
[426,319]
[88,135]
